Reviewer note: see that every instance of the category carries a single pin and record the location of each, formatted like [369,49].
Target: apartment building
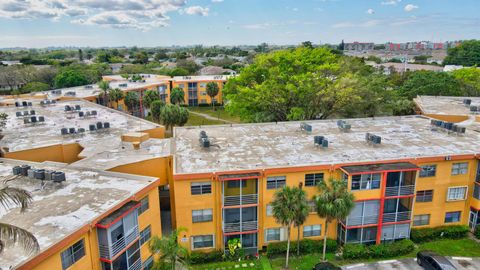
[195,88]
[218,181]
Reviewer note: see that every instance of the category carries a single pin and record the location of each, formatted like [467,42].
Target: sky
[151,23]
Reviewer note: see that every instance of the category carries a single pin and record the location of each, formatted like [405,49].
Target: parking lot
[462,263]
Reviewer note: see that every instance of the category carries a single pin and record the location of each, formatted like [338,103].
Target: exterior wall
[151,218]
[66,153]
[201,91]
[448,118]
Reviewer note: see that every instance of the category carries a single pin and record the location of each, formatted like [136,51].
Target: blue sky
[41,23]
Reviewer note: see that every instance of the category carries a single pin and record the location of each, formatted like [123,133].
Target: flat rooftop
[279,145]
[445,105]
[19,136]
[60,209]
[201,78]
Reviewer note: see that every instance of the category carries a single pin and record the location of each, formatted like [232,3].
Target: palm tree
[284,210]
[334,202]
[177,96]
[212,91]
[9,234]
[116,95]
[169,251]
[302,209]
[105,86]
[149,97]
[132,100]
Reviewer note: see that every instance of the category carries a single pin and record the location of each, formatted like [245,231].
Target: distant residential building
[359,46]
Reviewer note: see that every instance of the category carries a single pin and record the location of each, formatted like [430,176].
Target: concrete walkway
[204,115]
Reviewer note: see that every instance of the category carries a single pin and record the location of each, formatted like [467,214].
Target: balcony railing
[396,217]
[108,252]
[137,265]
[359,221]
[240,226]
[240,200]
[399,191]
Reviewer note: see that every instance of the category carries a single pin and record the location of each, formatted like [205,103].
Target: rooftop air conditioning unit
[58,177]
[39,174]
[24,169]
[17,170]
[373,139]
[64,131]
[306,127]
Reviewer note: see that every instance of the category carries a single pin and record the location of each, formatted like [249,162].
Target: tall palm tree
[302,209]
[177,96]
[169,251]
[116,95]
[334,202]
[105,86]
[284,210]
[9,234]
[212,91]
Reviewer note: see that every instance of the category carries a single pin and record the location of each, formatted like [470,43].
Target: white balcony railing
[137,265]
[399,191]
[396,217]
[240,226]
[359,221]
[109,251]
[240,200]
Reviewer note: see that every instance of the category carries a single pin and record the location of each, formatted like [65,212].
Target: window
[148,263]
[313,230]
[313,179]
[203,85]
[72,254]
[133,253]
[269,210]
[460,168]
[273,234]
[366,181]
[203,215]
[144,205]
[313,206]
[452,217]
[236,183]
[202,241]
[428,170]
[421,220]
[201,188]
[424,196]
[456,193]
[145,235]
[203,93]
[181,85]
[276,182]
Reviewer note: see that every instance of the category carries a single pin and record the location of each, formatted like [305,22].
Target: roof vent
[373,139]
[306,127]
[343,125]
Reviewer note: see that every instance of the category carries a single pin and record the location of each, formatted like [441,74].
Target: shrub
[358,251]
[430,234]
[205,257]
[306,246]
[477,232]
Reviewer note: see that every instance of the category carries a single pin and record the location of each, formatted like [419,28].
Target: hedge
[477,232]
[359,251]
[430,234]
[306,246]
[205,257]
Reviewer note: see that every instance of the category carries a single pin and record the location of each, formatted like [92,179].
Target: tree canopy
[172,115]
[430,83]
[149,97]
[70,78]
[465,54]
[177,96]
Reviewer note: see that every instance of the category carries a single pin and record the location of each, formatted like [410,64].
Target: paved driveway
[462,263]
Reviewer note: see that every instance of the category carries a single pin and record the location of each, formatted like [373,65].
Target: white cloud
[370,11]
[136,14]
[391,2]
[410,7]
[196,10]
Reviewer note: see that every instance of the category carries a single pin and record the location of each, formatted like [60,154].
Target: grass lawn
[253,264]
[196,120]
[218,113]
[462,247]
[305,262]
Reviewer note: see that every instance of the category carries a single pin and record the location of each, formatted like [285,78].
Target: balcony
[399,191]
[360,221]
[110,251]
[396,217]
[240,226]
[240,200]
[137,265]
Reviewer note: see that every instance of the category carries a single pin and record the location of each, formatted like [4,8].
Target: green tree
[466,54]
[105,87]
[171,115]
[141,58]
[302,210]
[149,97]
[170,253]
[177,96]
[11,235]
[402,106]
[470,80]
[80,54]
[161,56]
[307,44]
[34,87]
[212,91]
[430,83]
[116,95]
[132,100]
[156,109]
[285,210]
[189,65]
[333,202]
[70,78]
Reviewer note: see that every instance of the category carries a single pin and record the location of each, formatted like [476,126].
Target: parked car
[429,260]
[326,266]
